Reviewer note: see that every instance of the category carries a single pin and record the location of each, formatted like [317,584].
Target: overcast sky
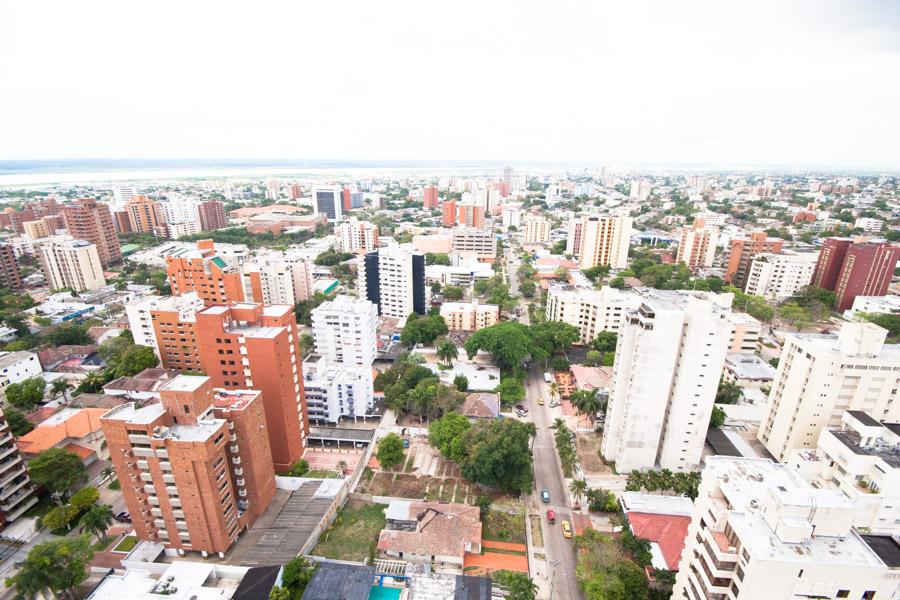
[755,83]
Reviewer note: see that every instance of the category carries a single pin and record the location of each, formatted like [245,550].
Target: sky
[776,83]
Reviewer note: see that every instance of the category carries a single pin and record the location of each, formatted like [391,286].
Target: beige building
[697,244]
[760,531]
[36,229]
[821,376]
[780,276]
[354,235]
[590,310]
[469,316]
[473,241]
[69,263]
[537,230]
[599,241]
[745,333]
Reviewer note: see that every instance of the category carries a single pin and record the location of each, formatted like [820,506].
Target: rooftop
[69,423]
[182,580]
[134,412]
[441,529]
[234,399]
[749,366]
[7,359]
[185,383]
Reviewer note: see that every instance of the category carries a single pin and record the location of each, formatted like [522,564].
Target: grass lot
[505,522]
[126,545]
[354,532]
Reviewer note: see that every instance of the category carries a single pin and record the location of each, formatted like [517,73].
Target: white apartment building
[469,316]
[861,458]
[481,243]
[868,224]
[590,310]
[780,276]
[354,235]
[760,531]
[344,331]
[640,189]
[17,493]
[873,304]
[16,367]
[598,240]
[140,319]
[180,209]
[69,263]
[335,391]
[182,229]
[821,376]
[537,230]
[511,214]
[329,201]
[278,278]
[669,357]
[393,278]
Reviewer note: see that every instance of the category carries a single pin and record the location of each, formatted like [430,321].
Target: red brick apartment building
[852,268]
[203,272]
[92,221]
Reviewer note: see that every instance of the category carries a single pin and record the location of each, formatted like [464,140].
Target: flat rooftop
[749,366]
[185,383]
[343,434]
[182,580]
[234,399]
[135,413]
[852,441]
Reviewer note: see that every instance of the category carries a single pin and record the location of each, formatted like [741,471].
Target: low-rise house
[143,386]
[661,520]
[482,405]
[16,367]
[748,370]
[71,359]
[76,430]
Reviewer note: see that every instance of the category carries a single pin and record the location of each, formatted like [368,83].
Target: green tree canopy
[510,389]
[499,453]
[26,394]
[57,470]
[55,567]
[423,330]
[461,382]
[69,334]
[554,336]
[18,424]
[510,344]
[390,451]
[134,360]
[97,520]
[445,433]
[518,586]
[453,292]
[605,342]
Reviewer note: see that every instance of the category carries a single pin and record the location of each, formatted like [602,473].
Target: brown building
[470,215]
[203,272]
[121,222]
[195,468]
[429,197]
[449,213]
[830,262]
[212,215]
[742,252]
[92,221]
[855,268]
[146,216]
[176,337]
[251,346]
[17,493]
[10,276]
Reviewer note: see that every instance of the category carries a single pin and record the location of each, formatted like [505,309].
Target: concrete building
[328,200]
[745,333]
[748,370]
[780,276]
[195,468]
[203,271]
[741,254]
[10,275]
[251,346]
[16,367]
[537,230]
[178,230]
[89,220]
[278,278]
[511,215]
[69,263]
[356,236]
[821,376]
[17,493]
[36,229]
[150,317]
[861,458]
[868,224]
[180,209]
[394,280]
[448,213]
[470,215]
[336,391]
[599,241]
[273,189]
[874,304]
[429,197]
[590,310]
[669,357]
[146,216]
[469,316]
[212,215]
[344,330]
[697,244]
[480,243]
[760,531]
[852,268]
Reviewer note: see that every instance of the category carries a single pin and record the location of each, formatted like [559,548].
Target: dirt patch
[505,522]
[410,486]
[587,446]
[537,535]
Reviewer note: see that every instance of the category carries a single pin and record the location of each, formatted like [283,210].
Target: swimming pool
[384,593]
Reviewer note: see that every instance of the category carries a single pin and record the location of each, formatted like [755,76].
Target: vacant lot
[505,522]
[354,532]
[587,446]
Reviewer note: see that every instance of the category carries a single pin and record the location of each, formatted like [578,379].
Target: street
[560,552]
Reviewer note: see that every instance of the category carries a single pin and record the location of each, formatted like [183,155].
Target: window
[868,595]
[187,408]
[843,594]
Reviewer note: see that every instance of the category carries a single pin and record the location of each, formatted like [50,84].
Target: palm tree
[579,488]
[587,402]
[60,387]
[93,382]
[97,520]
[558,424]
[554,389]
[447,352]
[108,472]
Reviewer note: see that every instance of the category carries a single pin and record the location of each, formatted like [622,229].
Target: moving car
[551,516]
[547,377]
[566,529]
[545,496]
[541,400]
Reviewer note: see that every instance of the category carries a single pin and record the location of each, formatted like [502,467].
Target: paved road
[560,552]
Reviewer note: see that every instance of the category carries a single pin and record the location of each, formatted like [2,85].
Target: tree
[423,330]
[300,468]
[439,258]
[57,470]
[461,382]
[527,288]
[445,433]
[500,454]
[728,393]
[717,418]
[18,424]
[617,283]
[587,402]
[307,343]
[593,358]
[60,387]
[509,343]
[447,352]
[69,334]
[798,316]
[84,497]
[390,451]
[554,389]
[605,342]
[510,389]
[453,292]
[519,586]
[559,363]
[92,382]
[55,567]
[279,593]
[889,321]
[97,520]
[554,336]
[296,575]
[331,257]
[578,488]
[134,360]
[26,394]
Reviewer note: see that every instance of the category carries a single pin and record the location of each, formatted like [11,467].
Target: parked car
[566,529]
[123,517]
[554,404]
[551,516]
[547,378]
[541,400]
[545,496]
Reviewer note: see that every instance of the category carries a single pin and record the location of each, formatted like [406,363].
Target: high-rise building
[511,215]
[448,209]
[36,229]
[195,468]
[760,531]
[509,177]
[600,241]
[741,253]
[780,276]
[295,191]
[206,273]
[469,316]
[166,324]
[212,215]
[10,276]
[328,200]
[821,376]
[429,197]
[146,216]
[482,243]
[273,189]
[697,244]
[393,278]
[251,346]
[537,230]
[336,391]
[121,221]
[590,310]
[470,215]
[855,268]
[180,209]
[92,221]
[669,358]
[278,278]
[69,263]
[355,235]
[640,189]
[344,330]
[17,493]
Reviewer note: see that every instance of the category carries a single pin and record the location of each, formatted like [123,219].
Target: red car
[551,516]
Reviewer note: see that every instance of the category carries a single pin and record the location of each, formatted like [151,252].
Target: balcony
[165,465]
[7,494]
[168,478]
[171,490]
[234,449]
[144,452]
[6,451]
[230,425]
[146,477]
[233,437]
[235,460]
[143,465]
[156,512]
[240,482]
[9,503]
[242,493]
[139,439]
[149,489]
[162,454]
[239,471]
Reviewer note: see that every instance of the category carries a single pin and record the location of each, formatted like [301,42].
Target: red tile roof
[669,531]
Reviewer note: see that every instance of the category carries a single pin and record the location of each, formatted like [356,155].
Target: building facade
[336,391]
[537,230]
[780,276]
[140,315]
[344,330]
[394,280]
[69,263]
[146,216]
[697,244]
[470,215]
[356,236]
[590,310]
[207,274]
[10,275]
[279,278]
[89,220]
[469,316]
[480,243]
[212,215]
[741,254]
[17,493]
[328,200]
[598,241]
